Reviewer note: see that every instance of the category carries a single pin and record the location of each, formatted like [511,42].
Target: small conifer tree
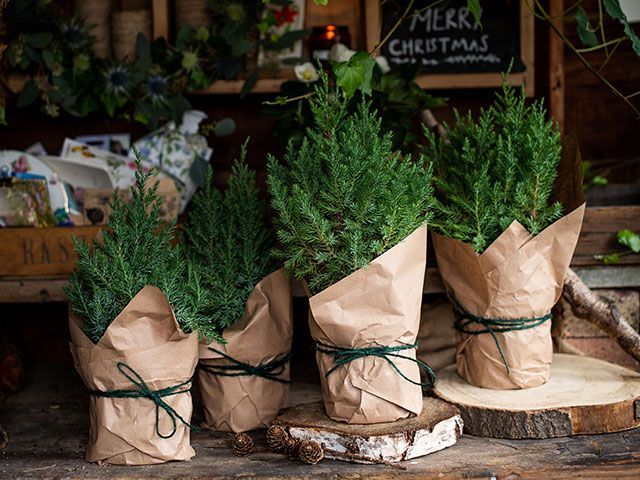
[228,242]
[495,170]
[344,196]
[135,250]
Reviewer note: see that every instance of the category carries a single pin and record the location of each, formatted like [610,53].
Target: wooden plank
[160,13]
[610,276]
[33,291]
[599,234]
[234,87]
[527,47]
[583,396]
[40,252]
[47,423]
[467,80]
[556,65]
[373,18]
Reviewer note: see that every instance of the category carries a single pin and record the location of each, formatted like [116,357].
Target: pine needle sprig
[344,196]
[495,170]
[134,250]
[228,242]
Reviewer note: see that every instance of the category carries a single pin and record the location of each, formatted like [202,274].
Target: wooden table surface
[47,427]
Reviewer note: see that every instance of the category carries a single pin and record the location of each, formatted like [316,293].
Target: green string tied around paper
[343,356]
[269,370]
[466,322]
[143,390]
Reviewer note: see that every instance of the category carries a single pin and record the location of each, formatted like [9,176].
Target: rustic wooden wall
[605,126]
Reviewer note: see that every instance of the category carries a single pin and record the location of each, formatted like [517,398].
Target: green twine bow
[343,356]
[142,390]
[270,370]
[465,319]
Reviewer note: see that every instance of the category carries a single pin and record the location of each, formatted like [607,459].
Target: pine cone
[276,436]
[242,445]
[310,452]
[290,447]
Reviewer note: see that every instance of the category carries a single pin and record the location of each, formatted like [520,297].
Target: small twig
[560,15]
[602,45]
[609,56]
[377,48]
[289,99]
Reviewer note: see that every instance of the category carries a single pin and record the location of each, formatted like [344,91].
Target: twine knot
[343,356]
[143,390]
[465,320]
[269,370]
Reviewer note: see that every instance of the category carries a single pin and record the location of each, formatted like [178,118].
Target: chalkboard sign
[446,38]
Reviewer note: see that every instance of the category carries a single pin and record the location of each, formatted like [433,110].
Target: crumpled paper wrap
[145,336]
[517,276]
[263,334]
[437,337]
[378,305]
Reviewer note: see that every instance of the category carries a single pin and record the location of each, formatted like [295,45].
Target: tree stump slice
[438,426]
[583,396]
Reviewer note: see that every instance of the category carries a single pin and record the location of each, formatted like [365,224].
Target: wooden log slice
[437,427]
[583,396]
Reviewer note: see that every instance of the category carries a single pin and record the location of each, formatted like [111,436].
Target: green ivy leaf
[476,11]
[28,94]
[286,40]
[355,74]
[241,47]
[47,58]
[3,117]
[143,50]
[599,181]
[249,83]
[615,11]
[39,40]
[611,259]
[585,32]
[630,240]
[183,37]
[321,2]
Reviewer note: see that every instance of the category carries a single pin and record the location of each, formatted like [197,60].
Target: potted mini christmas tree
[502,245]
[133,304]
[244,371]
[351,223]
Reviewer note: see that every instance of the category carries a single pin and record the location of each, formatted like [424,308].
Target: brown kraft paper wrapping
[378,305]
[517,276]
[146,337]
[263,334]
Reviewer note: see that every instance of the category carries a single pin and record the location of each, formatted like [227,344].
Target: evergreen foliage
[135,251]
[227,241]
[497,169]
[343,195]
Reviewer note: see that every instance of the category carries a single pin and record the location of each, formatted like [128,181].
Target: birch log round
[583,396]
[438,426]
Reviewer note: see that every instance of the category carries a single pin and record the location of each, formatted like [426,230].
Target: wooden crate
[40,252]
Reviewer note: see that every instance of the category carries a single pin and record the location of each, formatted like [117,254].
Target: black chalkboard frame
[373,20]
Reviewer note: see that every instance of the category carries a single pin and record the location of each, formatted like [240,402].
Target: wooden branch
[432,123]
[585,304]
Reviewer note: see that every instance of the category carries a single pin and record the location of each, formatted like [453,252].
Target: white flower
[306,72]
[383,63]
[340,53]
